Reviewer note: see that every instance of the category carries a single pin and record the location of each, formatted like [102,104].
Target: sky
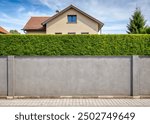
[114,14]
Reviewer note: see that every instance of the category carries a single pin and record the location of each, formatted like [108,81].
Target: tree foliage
[14,32]
[137,24]
[148,30]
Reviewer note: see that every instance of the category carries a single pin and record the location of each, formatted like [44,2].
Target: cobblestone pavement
[75,102]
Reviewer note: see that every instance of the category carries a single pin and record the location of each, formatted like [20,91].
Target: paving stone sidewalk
[75,103]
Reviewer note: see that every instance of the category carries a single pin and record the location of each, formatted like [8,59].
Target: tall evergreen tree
[137,23]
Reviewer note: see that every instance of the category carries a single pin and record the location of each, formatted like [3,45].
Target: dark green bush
[56,45]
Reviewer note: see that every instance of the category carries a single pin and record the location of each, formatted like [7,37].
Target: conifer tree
[137,23]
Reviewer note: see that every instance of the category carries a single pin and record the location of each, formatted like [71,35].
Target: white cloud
[55,4]
[11,22]
[21,9]
[32,13]
[8,19]
[114,28]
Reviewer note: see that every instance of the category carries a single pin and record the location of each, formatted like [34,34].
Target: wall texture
[144,75]
[74,76]
[3,76]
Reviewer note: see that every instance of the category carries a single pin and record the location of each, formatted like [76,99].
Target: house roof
[34,23]
[2,30]
[69,7]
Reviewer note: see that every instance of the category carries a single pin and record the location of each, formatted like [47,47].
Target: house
[3,31]
[71,20]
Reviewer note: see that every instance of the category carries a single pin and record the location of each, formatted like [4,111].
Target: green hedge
[56,45]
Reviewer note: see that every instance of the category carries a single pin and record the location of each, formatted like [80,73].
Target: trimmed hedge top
[57,45]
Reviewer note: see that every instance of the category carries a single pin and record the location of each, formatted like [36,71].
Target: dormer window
[72,19]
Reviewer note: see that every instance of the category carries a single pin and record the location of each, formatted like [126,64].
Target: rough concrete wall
[3,76]
[73,76]
[144,78]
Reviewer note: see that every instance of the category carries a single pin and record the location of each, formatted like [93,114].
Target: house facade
[3,31]
[71,20]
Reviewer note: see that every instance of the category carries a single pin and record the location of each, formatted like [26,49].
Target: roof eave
[34,29]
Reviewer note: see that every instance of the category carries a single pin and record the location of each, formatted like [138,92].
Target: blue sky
[114,14]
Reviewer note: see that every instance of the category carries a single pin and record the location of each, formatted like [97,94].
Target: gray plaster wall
[72,76]
[3,76]
[144,75]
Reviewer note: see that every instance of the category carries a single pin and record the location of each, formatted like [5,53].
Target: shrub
[87,45]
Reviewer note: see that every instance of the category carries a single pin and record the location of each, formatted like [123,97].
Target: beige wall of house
[60,24]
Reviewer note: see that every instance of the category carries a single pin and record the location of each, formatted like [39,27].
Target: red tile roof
[35,23]
[3,31]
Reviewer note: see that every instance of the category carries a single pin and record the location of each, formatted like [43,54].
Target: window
[58,33]
[84,32]
[72,19]
[71,32]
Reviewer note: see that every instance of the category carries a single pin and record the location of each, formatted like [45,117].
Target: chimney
[57,11]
